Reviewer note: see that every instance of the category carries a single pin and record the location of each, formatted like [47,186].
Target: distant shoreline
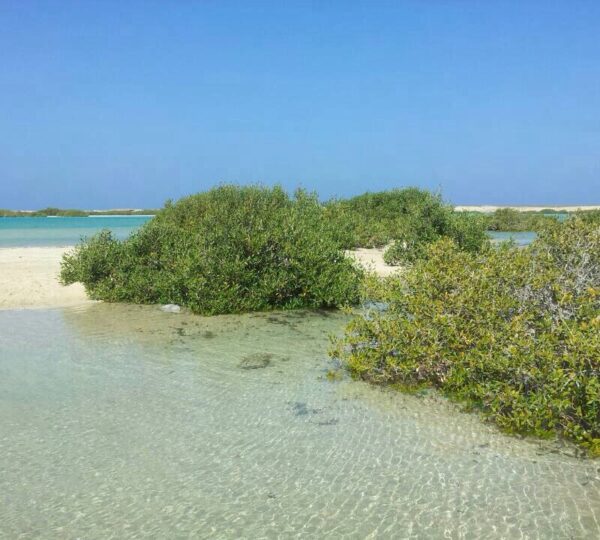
[59,212]
[146,212]
[525,208]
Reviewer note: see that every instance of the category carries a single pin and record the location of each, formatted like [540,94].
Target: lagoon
[63,231]
[124,421]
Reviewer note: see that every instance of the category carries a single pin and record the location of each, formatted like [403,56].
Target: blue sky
[125,104]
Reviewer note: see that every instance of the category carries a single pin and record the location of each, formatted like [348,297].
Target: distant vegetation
[228,250]
[510,220]
[46,212]
[514,333]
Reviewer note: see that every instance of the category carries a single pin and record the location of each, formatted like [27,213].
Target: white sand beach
[29,277]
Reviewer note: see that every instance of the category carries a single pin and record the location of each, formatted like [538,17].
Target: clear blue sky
[125,104]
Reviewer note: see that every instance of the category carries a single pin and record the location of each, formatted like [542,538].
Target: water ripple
[126,422]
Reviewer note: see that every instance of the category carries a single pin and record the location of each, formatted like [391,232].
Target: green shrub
[468,231]
[512,332]
[409,219]
[375,219]
[511,220]
[589,216]
[418,232]
[229,250]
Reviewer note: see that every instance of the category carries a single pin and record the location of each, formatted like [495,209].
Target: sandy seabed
[29,277]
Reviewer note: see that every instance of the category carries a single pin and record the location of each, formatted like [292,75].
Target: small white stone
[170,308]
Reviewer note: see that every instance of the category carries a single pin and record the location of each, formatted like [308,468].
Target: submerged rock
[170,308]
[256,361]
[330,422]
[300,408]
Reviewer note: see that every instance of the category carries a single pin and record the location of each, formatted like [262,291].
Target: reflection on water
[123,421]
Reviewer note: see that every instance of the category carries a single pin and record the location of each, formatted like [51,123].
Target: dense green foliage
[590,216]
[408,219]
[375,219]
[229,250]
[467,231]
[512,332]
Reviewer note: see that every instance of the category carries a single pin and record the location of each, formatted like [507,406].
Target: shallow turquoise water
[123,421]
[68,231]
[520,238]
[63,231]
[559,216]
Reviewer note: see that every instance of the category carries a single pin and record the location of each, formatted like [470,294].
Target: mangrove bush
[511,220]
[512,332]
[228,250]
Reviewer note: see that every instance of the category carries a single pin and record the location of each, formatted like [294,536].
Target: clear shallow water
[62,231]
[123,422]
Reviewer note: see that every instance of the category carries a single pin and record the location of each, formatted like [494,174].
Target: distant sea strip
[63,231]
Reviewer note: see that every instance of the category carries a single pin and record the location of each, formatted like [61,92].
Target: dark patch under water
[299,408]
[256,361]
